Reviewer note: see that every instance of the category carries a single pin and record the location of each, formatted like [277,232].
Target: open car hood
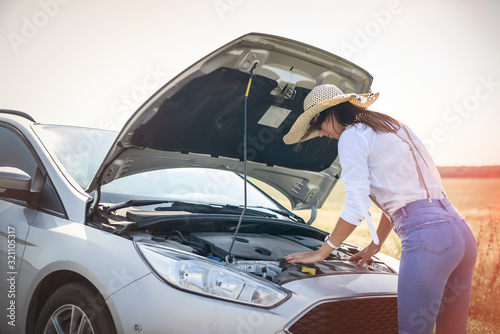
[197,118]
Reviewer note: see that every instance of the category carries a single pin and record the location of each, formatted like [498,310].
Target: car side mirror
[15,184]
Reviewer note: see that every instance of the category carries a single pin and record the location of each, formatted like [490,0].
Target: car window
[50,200]
[199,185]
[15,153]
[80,151]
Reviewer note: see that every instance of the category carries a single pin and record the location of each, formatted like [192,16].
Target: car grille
[367,315]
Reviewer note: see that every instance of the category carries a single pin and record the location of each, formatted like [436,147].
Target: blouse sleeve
[353,155]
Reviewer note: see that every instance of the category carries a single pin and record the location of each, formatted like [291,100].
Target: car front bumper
[151,306]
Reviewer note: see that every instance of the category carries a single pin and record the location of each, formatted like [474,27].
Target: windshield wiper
[212,208]
[190,207]
[285,213]
[130,203]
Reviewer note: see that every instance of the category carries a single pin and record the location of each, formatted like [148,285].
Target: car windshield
[80,151]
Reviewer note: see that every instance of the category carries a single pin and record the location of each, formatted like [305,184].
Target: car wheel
[75,308]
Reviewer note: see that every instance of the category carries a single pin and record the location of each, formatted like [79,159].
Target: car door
[16,215]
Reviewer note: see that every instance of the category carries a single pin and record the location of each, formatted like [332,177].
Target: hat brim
[302,123]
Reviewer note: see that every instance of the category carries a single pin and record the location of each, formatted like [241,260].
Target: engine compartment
[259,248]
[263,255]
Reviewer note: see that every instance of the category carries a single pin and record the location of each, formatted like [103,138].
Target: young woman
[383,160]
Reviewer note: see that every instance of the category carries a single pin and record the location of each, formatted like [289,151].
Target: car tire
[75,308]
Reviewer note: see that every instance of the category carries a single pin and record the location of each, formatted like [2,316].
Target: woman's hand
[365,254]
[341,231]
[306,257]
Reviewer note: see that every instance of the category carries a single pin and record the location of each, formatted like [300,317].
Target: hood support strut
[95,203]
[314,212]
[229,256]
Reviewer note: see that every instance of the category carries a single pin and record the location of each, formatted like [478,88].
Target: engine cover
[253,246]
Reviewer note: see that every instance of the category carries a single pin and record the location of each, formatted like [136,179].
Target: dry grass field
[478,200]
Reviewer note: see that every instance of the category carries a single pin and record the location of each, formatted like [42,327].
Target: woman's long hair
[347,114]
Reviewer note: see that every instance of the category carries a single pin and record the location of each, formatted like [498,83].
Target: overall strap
[412,146]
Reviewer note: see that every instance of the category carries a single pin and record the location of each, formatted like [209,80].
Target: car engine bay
[259,248]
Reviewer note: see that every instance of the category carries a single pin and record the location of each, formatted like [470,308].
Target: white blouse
[381,164]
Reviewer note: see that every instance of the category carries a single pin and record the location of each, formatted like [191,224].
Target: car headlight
[194,274]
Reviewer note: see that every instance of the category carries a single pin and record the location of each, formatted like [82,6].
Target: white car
[159,229]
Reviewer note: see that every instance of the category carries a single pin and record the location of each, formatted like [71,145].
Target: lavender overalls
[438,254]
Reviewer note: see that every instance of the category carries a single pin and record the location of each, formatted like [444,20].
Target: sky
[93,62]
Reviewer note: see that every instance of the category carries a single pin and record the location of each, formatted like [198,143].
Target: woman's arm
[353,150]
[383,231]
[341,231]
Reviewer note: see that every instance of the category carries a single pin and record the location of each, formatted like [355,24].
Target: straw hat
[321,98]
